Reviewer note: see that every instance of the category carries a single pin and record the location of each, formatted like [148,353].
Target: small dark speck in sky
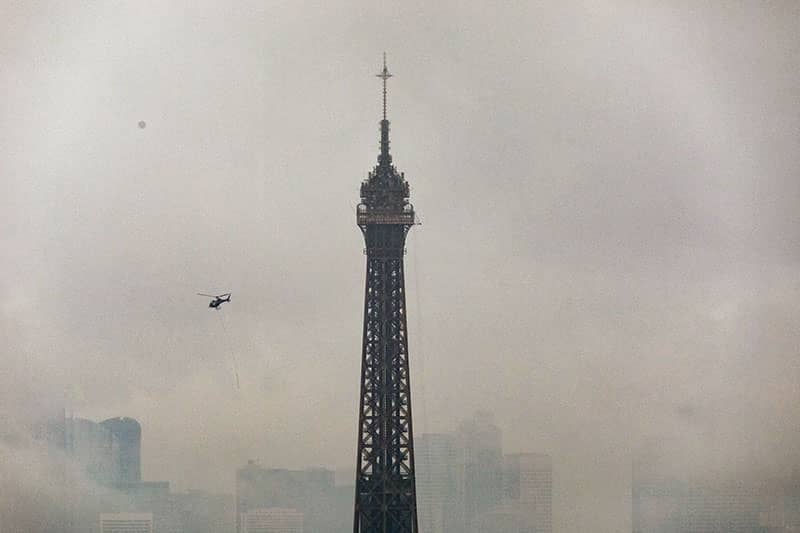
[686,411]
[142,124]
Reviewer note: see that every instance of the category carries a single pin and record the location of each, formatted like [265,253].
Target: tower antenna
[384,75]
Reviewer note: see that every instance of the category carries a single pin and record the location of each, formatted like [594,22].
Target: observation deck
[366,216]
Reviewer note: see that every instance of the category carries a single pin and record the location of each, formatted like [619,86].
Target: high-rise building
[272,520]
[108,452]
[437,482]
[129,434]
[126,523]
[311,492]
[94,448]
[480,451]
[385,499]
[528,480]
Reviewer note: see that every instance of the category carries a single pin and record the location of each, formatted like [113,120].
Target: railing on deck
[365,216]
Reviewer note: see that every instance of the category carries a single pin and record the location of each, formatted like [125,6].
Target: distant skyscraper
[109,452]
[479,443]
[528,480]
[126,523]
[95,449]
[272,520]
[437,483]
[129,433]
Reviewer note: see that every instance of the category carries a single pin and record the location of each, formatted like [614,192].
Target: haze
[608,259]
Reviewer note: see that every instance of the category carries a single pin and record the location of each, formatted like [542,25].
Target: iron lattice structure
[386,500]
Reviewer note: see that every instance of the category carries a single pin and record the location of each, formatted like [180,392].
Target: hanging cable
[230,350]
[420,345]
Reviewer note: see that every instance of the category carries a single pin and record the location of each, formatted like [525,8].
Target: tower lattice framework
[385,500]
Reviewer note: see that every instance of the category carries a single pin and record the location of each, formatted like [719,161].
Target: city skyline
[608,193]
[467,483]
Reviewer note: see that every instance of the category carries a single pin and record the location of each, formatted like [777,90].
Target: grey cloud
[607,257]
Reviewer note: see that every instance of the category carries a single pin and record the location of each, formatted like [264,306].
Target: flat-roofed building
[128,433]
[312,492]
[272,520]
[479,445]
[126,523]
[436,459]
[528,480]
[94,448]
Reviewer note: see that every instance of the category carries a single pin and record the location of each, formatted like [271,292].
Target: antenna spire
[384,75]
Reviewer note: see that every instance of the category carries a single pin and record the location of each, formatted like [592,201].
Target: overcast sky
[608,259]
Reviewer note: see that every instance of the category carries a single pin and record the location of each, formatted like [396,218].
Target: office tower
[385,499]
[311,492]
[94,448]
[437,482]
[528,480]
[272,520]
[129,434]
[258,488]
[126,523]
[108,452]
[479,443]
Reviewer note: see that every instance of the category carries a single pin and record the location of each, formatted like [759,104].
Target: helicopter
[218,299]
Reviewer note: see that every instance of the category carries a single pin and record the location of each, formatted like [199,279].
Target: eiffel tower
[386,500]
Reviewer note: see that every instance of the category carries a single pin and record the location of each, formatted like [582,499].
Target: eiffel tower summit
[385,499]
